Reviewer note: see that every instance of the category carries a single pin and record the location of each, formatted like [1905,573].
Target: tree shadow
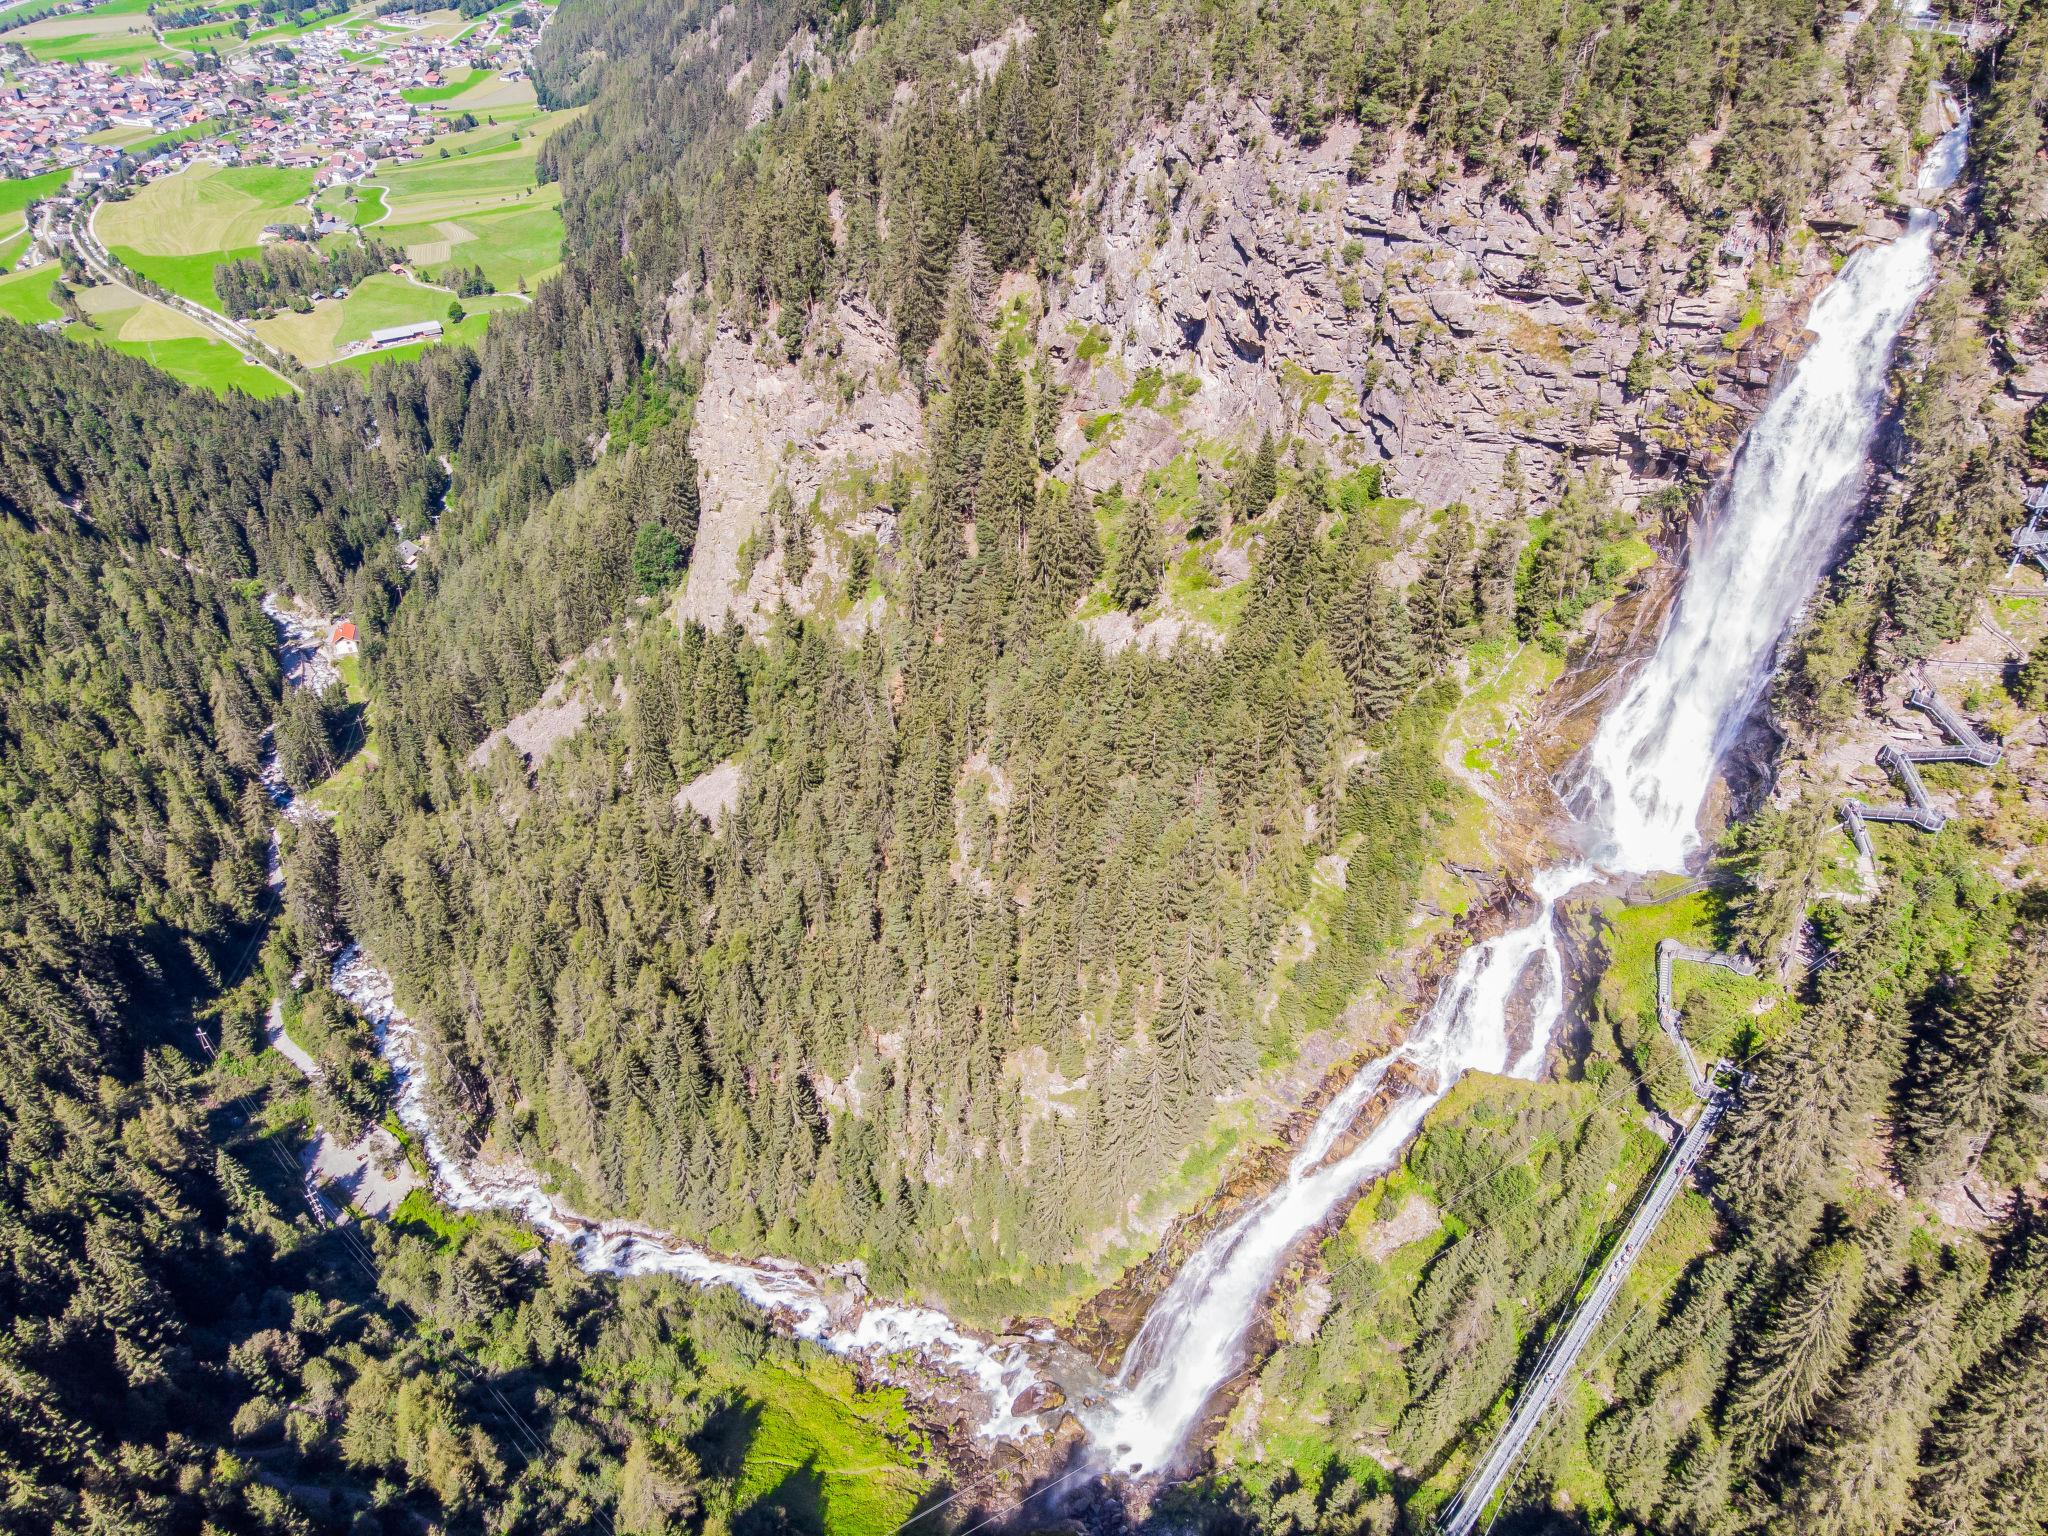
[795,1504]
[721,1445]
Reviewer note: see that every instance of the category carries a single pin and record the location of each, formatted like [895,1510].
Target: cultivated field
[176,230]
[15,196]
[133,323]
[475,201]
[116,34]
[377,302]
[484,205]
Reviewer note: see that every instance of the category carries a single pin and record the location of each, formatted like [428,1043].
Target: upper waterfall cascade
[1637,800]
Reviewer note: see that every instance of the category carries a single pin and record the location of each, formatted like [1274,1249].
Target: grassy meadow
[176,230]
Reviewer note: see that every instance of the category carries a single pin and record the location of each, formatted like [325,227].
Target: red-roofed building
[343,641]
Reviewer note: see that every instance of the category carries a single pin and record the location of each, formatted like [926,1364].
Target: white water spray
[1193,1338]
[1646,776]
[832,1311]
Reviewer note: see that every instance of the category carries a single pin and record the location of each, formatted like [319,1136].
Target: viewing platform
[2031,541]
[1668,952]
[1969,747]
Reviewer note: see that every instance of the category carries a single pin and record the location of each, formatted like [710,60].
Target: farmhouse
[398,335]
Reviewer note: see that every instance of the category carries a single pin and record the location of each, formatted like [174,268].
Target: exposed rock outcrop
[827,428]
[1242,281]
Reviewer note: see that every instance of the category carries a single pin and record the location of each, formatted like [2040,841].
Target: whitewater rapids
[1642,782]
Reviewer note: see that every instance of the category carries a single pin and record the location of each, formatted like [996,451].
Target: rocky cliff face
[1238,281]
[1242,282]
[830,430]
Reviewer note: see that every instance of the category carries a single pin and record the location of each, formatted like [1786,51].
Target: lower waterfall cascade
[1782,511]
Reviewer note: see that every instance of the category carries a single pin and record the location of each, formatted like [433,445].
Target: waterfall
[1637,800]
[1781,514]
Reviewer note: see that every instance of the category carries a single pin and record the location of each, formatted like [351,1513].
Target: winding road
[86,241]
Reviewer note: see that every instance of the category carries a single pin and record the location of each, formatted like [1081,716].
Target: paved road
[85,239]
[1462,1515]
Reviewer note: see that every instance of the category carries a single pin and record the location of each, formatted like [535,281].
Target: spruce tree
[1440,602]
[1792,1364]
[1493,582]
[1140,558]
[1370,637]
[1977,1066]
[1259,481]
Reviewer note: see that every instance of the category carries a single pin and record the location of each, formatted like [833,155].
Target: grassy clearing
[204,208]
[130,322]
[25,296]
[1507,679]
[338,793]
[422,95]
[1721,1013]
[176,230]
[521,242]
[468,333]
[817,1453]
[16,195]
[318,337]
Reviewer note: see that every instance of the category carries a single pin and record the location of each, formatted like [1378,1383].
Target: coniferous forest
[945,913]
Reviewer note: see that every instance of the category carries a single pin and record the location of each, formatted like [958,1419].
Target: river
[1635,795]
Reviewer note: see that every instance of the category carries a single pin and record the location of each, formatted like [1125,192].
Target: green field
[383,300]
[17,195]
[422,95]
[523,242]
[25,296]
[470,332]
[139,326]
[294,29]
[817,1453]
[366,206]
[483,205]
[176,230]
[117,34]
[216,32]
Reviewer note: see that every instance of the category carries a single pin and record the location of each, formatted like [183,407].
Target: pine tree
[1792,1364]
[1984,1462]
[1007,480]
[1140,557]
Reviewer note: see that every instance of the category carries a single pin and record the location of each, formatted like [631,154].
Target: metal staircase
[1965,745]
[1969,747]
[1668,951]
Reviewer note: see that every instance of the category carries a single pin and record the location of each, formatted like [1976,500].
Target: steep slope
[997,932]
